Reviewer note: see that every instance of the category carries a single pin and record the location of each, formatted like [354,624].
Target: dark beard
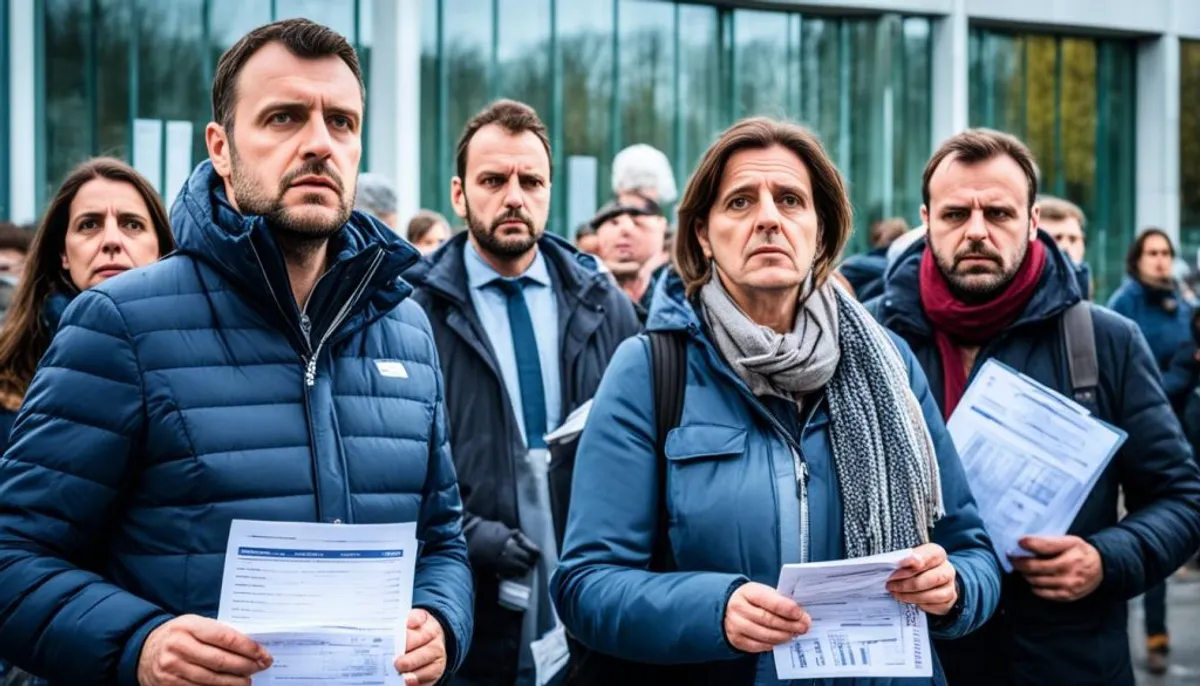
[298,237]
[504,248]
[978,293]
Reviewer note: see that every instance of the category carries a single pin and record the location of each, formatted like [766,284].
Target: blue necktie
[529,366]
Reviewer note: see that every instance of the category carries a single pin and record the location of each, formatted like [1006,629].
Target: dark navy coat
[174,399]
[1035,641]
[594,317]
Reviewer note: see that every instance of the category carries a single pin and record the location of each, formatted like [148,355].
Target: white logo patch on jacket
[391,368]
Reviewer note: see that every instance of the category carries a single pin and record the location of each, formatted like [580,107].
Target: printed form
[328,601]
[1031,455]
[858,628]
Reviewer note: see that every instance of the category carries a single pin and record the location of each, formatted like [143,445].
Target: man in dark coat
[525,326]
[986,284]
[271,369]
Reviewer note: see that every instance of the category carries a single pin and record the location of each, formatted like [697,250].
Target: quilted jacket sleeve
[1157,472]
[443,579]
[604,593]
[61,485]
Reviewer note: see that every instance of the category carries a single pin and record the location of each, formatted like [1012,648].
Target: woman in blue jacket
[1152,298]
[807,434]
[104,220]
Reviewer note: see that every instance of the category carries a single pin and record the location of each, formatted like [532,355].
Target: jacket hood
[208,227]
[670,309]
[444,270]
[901,305]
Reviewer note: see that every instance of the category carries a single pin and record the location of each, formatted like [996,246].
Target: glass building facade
[4,111]
[109,69]
[1189,150]
[1073,101]
[605,74]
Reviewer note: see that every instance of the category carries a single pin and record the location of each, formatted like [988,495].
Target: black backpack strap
[1079,337]
[668,359]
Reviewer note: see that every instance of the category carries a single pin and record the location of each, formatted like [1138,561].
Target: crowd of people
[270,348]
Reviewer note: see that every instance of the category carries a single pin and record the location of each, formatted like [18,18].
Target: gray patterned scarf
[882,451]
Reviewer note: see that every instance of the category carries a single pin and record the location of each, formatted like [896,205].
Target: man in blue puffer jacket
[240,378]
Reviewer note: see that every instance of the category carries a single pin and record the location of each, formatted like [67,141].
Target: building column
[394,102]
[23,174]
[951,63]
[1157,167]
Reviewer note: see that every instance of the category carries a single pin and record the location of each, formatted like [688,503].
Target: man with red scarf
[984,284]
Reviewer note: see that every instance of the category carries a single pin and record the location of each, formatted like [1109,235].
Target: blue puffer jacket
[865,273]
[1165,319]
[1035,641]
[734,514]
[174,399]
[52,312]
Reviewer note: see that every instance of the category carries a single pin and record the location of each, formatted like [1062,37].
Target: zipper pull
[802,479]
[310,372]
[306,328]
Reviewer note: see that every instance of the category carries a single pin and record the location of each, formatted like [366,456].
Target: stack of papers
[858,628]
[329,602]
[571,427]
[1031,455]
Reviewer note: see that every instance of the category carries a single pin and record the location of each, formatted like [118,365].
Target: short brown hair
[303,38]
[422,223]
[514,117]
[834,215]
[13,237]
[1057,209]
[980,145]
[884,231]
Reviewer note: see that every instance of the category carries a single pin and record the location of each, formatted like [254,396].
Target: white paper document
[1031,455]
[571,427]
[858,628]
[329,602]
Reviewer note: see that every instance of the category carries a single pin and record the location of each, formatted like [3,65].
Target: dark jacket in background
[174,399]
[1035,641]
[865,273]
[594,317]
[1167,329]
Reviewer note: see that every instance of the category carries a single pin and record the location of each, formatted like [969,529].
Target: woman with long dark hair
[105,219]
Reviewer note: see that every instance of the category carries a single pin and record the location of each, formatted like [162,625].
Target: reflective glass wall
[132,78]
[1072,100]
[605,74]
[1189,149]
[4,110]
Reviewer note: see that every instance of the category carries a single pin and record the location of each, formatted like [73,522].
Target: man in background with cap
[631,232]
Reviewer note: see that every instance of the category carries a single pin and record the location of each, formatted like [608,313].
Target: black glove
[518,557]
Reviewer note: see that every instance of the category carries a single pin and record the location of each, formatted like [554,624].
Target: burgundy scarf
[956,323]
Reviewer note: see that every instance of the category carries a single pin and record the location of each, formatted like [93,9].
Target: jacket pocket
[688,443]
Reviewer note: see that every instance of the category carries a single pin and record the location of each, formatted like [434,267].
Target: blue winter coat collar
[53,308]
[243,250]
[901,307]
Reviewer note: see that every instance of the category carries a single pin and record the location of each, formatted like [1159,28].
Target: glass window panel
[4,116]
[523,53]
[760,63]
[1077,108]
[819,55]
[70,88]
[229,20]
[435,168]
[1041,53]
[646,83]
[336,14]
[173,81]
[912,139]
[871,102]
[1189,145]
[467,53]
[700,103]
[585,39]
[1114,226]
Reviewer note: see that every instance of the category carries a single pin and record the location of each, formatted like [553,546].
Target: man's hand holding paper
[192,649]
[758,618]
[1066,568]
[424,659]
